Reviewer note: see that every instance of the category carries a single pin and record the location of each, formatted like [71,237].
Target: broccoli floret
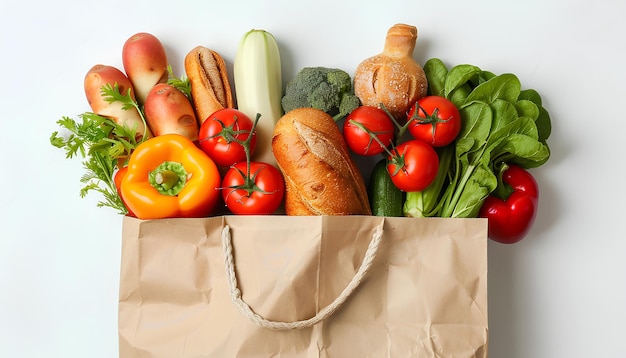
[327,89]
[349,102]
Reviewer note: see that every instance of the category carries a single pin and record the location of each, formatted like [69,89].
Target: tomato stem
[246,147]
[395,158]
[249,179]
[429,118]
[228,133]
[249,183]
[373,136]
[401,128]
[398,160]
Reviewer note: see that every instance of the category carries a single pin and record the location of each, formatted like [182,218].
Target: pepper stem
[503,190]
[169,178]
[166,179]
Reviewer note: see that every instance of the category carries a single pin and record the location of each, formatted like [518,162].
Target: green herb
[501,124]
[103,145]
[111,93]
[182,83]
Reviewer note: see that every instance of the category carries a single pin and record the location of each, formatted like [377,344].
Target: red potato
[168,110]
[99,76]
[145,63]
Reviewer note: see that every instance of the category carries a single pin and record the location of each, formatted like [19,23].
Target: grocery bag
[311,286]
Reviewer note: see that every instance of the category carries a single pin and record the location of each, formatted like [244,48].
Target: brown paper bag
[327,286]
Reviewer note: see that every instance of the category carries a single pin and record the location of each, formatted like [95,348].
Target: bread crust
[395,84]
[393,77]
[320,176]
[210,87]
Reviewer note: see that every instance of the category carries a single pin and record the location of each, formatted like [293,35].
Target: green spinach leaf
[436,73]
[501,123]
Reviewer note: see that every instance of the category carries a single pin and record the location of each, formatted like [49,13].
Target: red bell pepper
[512,208]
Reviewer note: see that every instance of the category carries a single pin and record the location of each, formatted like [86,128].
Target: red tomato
[413,165]
[434,120]
[374,120]
[262,194]
[219,135]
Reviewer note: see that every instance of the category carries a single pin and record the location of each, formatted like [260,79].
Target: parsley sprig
[102,144]
[105,145]
[182,84]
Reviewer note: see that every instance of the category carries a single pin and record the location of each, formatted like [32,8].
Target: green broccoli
[327,89]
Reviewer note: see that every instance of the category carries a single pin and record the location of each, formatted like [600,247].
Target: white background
[560,293]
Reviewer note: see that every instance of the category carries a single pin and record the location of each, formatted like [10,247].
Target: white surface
[559,293]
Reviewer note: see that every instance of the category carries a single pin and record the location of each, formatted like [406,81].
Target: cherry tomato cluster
[228,136]
[432,121]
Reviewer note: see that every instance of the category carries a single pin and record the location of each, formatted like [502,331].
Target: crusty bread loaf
[320,176]
[210,87]
[392,77]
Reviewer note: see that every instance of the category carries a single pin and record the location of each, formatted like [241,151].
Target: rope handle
[326,312]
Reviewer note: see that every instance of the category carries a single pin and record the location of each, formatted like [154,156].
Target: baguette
[320,176]
[210,87]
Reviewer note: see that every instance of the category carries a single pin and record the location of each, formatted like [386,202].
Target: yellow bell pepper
[168,176]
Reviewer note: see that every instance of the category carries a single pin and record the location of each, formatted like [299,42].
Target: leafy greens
[502,124]
[103,145]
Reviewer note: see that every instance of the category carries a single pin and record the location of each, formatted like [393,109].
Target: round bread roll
[392,78]
[320,176]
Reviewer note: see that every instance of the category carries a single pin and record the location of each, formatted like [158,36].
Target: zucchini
[385,198]
[259,87]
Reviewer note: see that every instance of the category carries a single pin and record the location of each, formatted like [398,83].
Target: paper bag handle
[235,293]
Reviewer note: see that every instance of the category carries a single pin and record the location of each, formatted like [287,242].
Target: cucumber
[385,198]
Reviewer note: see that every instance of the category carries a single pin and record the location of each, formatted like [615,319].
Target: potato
[145,63]
[101,75]
[168,110]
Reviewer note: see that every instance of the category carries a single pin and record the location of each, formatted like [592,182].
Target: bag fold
[424,293]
